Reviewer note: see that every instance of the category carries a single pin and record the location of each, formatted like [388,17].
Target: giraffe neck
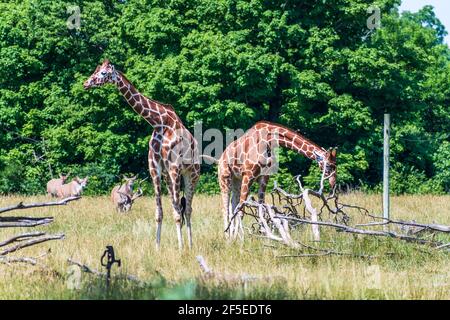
[292,140]
[154,112]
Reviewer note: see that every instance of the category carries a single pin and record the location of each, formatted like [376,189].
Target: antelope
[55,184]
[123,196]
[73,188]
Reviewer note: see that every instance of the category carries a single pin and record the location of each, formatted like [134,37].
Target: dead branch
[26,260]
[21,237]
[87,269]
[28,239]
[209,274]
[371,224]
[17,222]
[442,246]
[349,229]
[337,212]
[284,193]
[431,226]
[32,242]
[206,270]
[274,221]
[34,261]
[325,254]
[267,223]
[313,212]
[21,205]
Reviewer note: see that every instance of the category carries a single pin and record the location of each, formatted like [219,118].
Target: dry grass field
[399,271]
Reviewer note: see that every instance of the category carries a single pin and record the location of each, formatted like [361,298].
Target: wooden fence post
[387,129]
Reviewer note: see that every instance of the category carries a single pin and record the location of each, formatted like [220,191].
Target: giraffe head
[104,73]
[329,160]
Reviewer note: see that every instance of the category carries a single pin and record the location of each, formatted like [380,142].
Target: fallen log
[423,226]
[21,205]
[20,222]
[21,237]
[29,239]
[209,274]
[293,210]
[349,229]
[26,260]
[325,254]
[87,269]
[32,242]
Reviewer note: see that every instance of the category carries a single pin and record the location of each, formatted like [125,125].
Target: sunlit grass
[399,270]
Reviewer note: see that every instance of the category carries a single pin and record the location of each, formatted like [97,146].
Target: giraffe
[250,158]
[173,151]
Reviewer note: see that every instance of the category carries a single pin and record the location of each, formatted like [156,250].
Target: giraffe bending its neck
[250,158]
[173,151]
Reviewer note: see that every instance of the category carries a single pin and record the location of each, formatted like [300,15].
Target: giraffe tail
[183,210]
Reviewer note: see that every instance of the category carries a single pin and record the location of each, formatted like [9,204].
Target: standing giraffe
[250,158]
[173,151]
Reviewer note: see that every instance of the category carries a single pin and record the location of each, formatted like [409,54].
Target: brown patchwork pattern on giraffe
[173,151]
[250,158]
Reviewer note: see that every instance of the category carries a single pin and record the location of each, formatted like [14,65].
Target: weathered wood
[323,253]
[386,144]
[209,274]
[203,264]
[18,222]
[27,260]
[21,205]
[21,237]
[87,269]
[32,242]
[313,212]
[442,246]
[349,229]
[292,207]
[326,254]
[33,237]
[431,226]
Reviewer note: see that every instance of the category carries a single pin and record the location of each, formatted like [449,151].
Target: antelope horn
[138,194]
[142,180]
[139,182]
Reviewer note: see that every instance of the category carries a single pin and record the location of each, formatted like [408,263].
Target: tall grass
[399,271]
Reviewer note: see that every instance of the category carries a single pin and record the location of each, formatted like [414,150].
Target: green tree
[312,65]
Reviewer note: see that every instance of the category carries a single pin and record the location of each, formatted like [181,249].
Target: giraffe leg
[247,181]
[189,185]
[174,181]
[225,183]
[263,180]
[236,193]
[156,178]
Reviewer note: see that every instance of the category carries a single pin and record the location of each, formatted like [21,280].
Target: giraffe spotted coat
[173,151]
[251,158]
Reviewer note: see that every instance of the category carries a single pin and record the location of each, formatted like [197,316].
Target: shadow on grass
[193,289]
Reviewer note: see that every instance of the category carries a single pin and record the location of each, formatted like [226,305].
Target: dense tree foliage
[312,65]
